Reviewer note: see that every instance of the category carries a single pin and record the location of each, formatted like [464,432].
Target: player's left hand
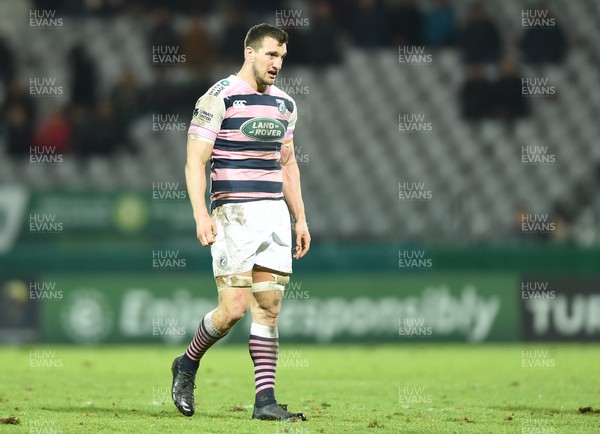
[302,239]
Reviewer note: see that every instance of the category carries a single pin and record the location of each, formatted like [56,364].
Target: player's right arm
[204,127]
[198,154]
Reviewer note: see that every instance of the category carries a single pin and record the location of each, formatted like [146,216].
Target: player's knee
[271,312]
[235,311]
[269,306]
[267,316]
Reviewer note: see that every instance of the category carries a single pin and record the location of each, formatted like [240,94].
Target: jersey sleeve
[209,113]
[289,133]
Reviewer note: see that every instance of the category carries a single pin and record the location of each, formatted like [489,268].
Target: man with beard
[245,125]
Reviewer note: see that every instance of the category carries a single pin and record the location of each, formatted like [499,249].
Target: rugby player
[245,126]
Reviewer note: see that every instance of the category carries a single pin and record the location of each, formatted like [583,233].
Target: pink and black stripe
[263,352]
[202,341]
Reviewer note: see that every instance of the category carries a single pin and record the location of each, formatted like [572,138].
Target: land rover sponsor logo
[265,129]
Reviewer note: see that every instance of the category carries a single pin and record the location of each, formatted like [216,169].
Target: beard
[261,81]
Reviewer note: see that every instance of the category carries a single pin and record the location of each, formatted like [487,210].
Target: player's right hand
[206,230]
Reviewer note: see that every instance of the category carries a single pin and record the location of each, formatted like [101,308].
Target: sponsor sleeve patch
[208,113]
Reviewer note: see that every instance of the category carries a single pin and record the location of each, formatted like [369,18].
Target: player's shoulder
[222,88]
[276,92]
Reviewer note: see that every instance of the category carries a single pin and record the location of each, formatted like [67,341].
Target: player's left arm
[292,193]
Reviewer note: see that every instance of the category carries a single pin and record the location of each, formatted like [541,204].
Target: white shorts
[252,233]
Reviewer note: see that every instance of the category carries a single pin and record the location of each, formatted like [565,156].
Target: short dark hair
[256,34]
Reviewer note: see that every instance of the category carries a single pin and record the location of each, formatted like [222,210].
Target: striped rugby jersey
[248,128]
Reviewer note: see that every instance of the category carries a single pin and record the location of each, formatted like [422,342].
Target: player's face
[268,61]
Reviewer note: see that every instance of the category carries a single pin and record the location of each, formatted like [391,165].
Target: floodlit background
[448,149]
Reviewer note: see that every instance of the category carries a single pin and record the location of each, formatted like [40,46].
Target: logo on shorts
[223,262]
[265,129]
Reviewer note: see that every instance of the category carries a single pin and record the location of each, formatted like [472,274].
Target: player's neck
[246,74]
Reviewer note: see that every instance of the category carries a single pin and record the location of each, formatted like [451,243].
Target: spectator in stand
[405,23]
[83,77]
[234,31]
[163,95]
[18,130]
[544,43]
[17,117]
[107,132]
[440,25]
[268,6]
[163,34]
[49,4]
[81,130]
[18,95]
[369,25]
[55,132]
[324,36]
[480,39]
[476,94]
[199,48]
[509,103]
[344,14]
[126,98]
[7,62]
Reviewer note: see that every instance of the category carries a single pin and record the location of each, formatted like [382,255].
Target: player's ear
[249,54]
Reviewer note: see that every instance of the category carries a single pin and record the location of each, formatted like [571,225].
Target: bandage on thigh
[276,284]
[233,281]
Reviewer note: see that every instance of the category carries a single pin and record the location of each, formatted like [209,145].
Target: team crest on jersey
[265,129]
[280,105]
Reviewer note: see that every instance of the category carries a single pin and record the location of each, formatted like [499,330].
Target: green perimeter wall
[338,293]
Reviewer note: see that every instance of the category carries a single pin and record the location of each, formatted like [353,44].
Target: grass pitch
[424,388]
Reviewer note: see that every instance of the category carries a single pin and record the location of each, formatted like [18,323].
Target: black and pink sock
[264,347]
[206,336]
